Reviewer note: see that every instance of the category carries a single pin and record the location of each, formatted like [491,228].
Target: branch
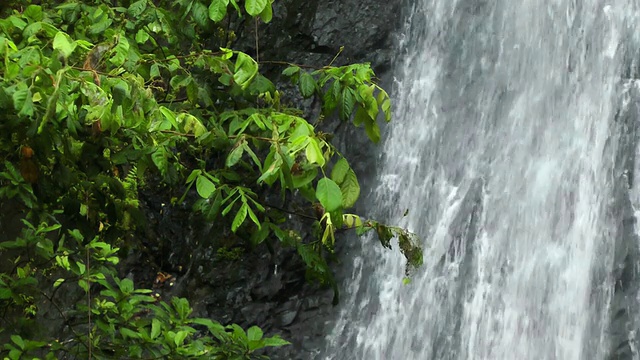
[291,212]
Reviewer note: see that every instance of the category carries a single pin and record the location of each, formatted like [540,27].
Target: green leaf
[372,130]
[180,336]
[290,71]
[5,293]
[329,194]
[137,8]
[275,341]
[23,101]
[200,14]
[18,341]
[386,108]
[154,71]
[239,218]
[340,170]
[120,52]
[314,153]
[160,159]
[350,189]
[63,43]
[253,217]
[347,103]
[351,221]
[58,283]
[307,84]
[170,116]
[218,10]
[156,327]
[267,14]
[255,7]
[205,187]
[235,155]
[33,12]
[254,333]
[245,70]
[361,116]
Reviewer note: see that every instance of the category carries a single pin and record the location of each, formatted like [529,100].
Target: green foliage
[100,99]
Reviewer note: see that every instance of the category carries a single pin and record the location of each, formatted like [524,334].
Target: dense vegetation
[102,99]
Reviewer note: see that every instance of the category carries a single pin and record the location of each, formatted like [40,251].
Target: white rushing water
[503,148]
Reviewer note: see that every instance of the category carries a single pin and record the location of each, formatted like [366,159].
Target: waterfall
[513,148]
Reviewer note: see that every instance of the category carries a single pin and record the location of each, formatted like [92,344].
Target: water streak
[505,150]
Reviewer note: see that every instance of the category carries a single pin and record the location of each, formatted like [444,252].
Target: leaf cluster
[101,99]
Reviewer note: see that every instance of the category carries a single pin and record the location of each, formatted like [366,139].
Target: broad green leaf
[235,155]
[156,327]
[160,159]
[218,10]
[5,293]
[194,174]
[204,186]
[200,13]
[361,116]
[255,7]
[120,52]
[23,102]
[267,14]
[239,218]
[142,36]
[63,43]
[307,84]
[275,341]
[340,170]
[245,70]
[372,130]
[386,108]
[170,116]
[290,71]
[329,194]
[33,12]
[18,341]
[180,336]
[350,189]
[137,8]
[154,71]
[314,153]
[191,124]
[347,103]
[254,333]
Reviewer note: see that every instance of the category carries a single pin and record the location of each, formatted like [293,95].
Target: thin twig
[291,212]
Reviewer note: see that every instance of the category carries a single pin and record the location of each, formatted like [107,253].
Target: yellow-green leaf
[255,7]
[204,186]
[63,43]
[218,10]
[239,218]
[313,152]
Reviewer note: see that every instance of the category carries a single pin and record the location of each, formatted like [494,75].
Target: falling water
[513,148]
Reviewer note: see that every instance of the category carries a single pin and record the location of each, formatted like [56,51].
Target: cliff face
[255,287]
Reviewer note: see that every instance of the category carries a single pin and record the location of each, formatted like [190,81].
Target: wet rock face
[624,319]
[225,280]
